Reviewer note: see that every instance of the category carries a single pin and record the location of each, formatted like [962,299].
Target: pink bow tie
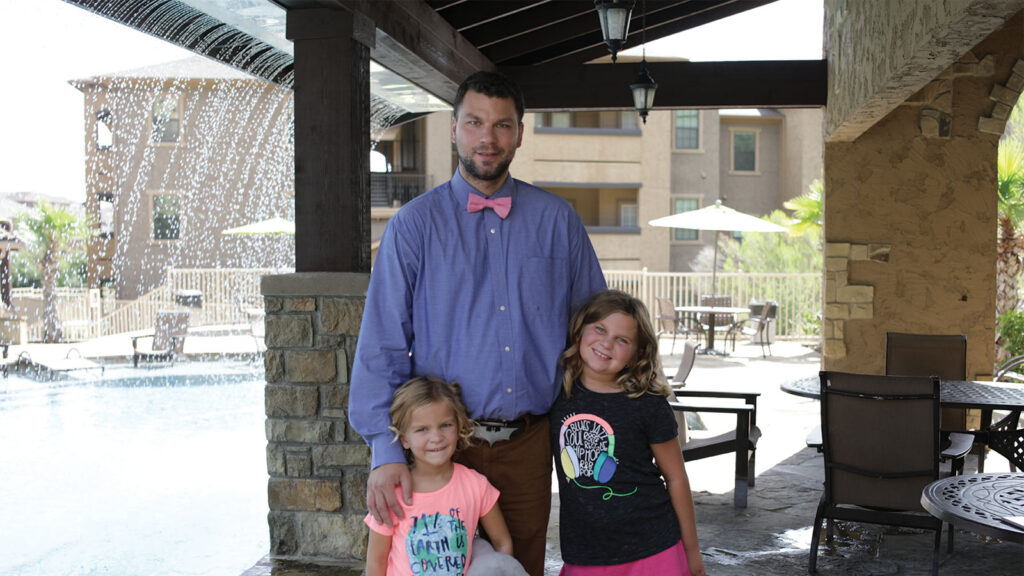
[501,206]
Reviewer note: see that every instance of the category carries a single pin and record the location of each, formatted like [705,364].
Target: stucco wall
[696,174]
[752,192]
[560,160]
[925,207]
[803,144]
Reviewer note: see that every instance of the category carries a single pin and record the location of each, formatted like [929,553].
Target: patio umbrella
[719,218]
[267,227]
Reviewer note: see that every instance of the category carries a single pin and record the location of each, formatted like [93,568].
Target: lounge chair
[168,338]
[71,362]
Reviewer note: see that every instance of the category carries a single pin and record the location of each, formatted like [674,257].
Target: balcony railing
[390,189]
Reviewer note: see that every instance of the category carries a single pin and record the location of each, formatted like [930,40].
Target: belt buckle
[493,431]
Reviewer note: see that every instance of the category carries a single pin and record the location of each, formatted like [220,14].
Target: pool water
[135,472]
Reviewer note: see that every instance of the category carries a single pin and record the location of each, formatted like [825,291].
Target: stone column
[316,462]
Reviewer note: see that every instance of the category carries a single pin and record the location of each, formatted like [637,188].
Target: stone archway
[910,213]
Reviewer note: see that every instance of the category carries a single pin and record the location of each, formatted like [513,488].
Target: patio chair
[942,355]
[741,441]
[756,327]
[725,323]
[685,364]
[168,338]
[669,322]
[881,447]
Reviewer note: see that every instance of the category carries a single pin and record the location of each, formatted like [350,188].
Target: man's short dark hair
[493,85]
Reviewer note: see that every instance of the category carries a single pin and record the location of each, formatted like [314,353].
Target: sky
[45,43]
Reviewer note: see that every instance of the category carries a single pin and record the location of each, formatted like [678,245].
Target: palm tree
[807,210]
[55,231]
[1010,169]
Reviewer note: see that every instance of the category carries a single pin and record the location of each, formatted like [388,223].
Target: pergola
[917,94]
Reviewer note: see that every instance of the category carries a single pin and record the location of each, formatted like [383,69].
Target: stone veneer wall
[921,183]
[316,462]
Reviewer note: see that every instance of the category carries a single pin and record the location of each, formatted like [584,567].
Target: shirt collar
[463,189]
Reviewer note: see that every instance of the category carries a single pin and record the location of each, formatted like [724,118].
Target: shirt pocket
[544,288]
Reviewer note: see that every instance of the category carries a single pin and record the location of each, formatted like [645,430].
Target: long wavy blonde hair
[423,390]
[641,376]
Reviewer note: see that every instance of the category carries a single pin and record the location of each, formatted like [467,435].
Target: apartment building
[619,173]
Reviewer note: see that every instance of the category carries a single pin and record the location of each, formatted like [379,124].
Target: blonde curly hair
[423,390]
[641,376]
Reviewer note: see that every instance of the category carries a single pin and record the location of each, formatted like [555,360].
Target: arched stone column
[910,214]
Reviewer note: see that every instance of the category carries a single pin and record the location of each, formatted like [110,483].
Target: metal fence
[798,295]
[225,293]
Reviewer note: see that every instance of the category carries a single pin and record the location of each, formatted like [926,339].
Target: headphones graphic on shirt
[604,465]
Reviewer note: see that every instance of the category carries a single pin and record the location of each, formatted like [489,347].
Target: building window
[687,129]
[104,133]
[166,118]
[166,216]
[684,205]
[744,151]
[588,120]
[106,205]
[627,215]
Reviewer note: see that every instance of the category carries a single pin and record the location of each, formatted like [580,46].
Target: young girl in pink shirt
[435,535]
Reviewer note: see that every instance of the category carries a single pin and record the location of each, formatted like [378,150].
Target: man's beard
[487,175]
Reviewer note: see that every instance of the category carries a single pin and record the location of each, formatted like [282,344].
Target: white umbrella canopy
[267,227]
[719,218]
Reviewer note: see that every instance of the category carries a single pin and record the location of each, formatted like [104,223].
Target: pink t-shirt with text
[435,537]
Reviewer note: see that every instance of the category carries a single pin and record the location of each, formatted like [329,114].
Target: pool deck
[207,342]
[769,537]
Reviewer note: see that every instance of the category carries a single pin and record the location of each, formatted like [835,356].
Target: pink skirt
[670,561]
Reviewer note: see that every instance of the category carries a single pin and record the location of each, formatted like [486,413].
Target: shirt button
[509,390]
[492,230]
[502,308]
[507,349]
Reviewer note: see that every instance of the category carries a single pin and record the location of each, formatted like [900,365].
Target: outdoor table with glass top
[989,504]
[984,396]
[712,312]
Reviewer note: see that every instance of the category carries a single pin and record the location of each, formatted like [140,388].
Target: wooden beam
[418,44]
[762,84]
[332,141]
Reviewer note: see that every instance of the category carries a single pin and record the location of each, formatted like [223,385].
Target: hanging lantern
[614,17]
[643,91]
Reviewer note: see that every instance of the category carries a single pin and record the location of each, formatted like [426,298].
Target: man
[479,295]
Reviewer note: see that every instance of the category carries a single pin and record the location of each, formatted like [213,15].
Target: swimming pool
[135,472]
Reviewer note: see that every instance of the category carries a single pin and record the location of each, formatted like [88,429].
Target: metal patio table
[712,312]
[979,502]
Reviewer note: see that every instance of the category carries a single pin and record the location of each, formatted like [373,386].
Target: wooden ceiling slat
[546,15]
[466,15]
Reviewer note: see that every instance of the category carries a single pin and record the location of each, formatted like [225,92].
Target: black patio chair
[881,445]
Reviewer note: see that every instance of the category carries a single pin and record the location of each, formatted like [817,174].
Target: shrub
[1011,330]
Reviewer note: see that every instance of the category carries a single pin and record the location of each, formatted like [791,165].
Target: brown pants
[520,468]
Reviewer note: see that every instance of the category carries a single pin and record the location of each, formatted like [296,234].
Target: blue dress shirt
[473,299]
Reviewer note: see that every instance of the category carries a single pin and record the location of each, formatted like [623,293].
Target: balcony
[395,189]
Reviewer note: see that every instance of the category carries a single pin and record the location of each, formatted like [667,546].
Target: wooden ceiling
[545,45]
